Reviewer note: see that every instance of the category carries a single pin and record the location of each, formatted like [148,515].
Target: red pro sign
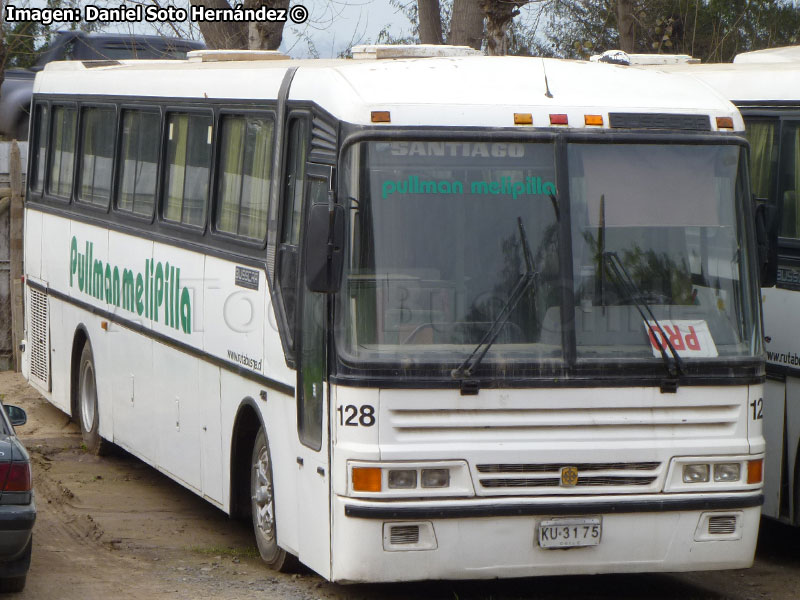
[689,338]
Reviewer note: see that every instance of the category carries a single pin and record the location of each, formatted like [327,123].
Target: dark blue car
[17,508]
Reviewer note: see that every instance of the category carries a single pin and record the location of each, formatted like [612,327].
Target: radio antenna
[546,85]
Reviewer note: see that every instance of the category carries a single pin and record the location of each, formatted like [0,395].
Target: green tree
[712,30]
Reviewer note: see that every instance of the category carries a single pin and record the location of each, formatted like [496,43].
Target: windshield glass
[669,220]
[435,259]
[435,251]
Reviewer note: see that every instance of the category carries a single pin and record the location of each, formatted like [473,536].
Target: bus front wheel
[262,503]
[88,414]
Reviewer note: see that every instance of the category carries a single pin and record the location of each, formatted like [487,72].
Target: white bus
[451,317]
[765,85]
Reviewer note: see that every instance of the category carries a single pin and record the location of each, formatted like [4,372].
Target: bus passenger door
[312,407]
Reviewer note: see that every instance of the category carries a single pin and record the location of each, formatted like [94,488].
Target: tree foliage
[712,30]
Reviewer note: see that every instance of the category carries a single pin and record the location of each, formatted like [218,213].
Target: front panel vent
[725,524]
[404,534]
[39,342]
[409,537]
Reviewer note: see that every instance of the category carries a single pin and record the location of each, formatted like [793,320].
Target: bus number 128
[353,416]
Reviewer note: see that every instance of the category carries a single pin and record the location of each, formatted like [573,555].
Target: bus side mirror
[767,242]
[324,247]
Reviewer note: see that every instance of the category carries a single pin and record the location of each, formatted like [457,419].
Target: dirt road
[115,528]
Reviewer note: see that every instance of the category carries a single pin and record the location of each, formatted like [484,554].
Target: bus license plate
[570,533]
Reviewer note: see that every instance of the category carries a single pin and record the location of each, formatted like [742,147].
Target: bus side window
[188,165]
[40,128]
[311,359]
[97,155]
[790,179]
[289,238]
[62,155]
[763,137]
[245,167]
[136,191]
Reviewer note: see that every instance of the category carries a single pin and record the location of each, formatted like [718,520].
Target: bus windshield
[436,254]
[661,226]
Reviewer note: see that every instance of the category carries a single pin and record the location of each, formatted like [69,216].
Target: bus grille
[556,467]
[549,475]
[39,341]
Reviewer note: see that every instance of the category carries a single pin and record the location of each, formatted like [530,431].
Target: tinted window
[790,179]
[188,168]
[297,152]
[97,155]
[138,161]
[62,159]
[41,115]
[763,138]
[245,175]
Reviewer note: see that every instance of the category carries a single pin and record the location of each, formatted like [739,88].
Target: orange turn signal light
[755,470]
[523,119]
[593,119]
[724,123]
[366,479]
[381,116]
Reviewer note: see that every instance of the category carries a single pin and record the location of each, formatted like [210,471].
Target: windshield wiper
[632,292]
[467,368]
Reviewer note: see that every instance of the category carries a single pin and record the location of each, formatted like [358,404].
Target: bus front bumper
[482,538]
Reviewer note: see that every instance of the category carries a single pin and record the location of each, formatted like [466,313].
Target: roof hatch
[230,55]
[381,51]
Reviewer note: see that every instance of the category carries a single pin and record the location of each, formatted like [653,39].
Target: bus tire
[13,584]
[88,413]
[262,508]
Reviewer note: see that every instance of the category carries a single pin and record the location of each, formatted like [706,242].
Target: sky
[332,27]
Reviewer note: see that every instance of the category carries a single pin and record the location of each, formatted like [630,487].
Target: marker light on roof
[381,116]
[559,120]
[593,119]
[724,123]
[523,119]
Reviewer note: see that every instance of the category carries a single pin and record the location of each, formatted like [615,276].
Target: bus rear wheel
[262,504]
[88,414]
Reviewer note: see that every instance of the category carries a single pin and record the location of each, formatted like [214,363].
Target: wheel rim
[88,396]
[262,498]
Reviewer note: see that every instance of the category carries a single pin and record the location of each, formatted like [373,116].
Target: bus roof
[463,91]
[783,54]
[747,82]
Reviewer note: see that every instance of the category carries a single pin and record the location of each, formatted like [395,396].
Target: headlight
[435,478]
[402,479]
[727,472]
[695,473]
[409,479]
[714,473]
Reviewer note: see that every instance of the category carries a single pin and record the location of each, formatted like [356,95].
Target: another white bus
[452,317]
[765,85]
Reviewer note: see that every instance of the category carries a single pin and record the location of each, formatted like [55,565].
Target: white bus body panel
[774,412]
[545,426]
[631,543]
[747,82]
